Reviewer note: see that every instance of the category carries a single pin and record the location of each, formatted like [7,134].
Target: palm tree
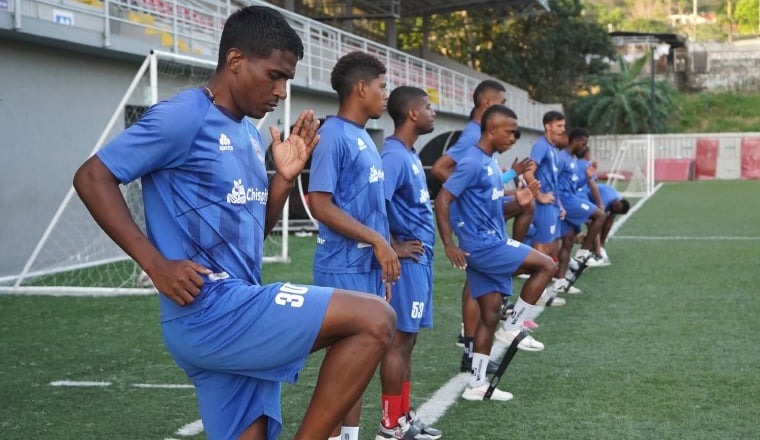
[621,103]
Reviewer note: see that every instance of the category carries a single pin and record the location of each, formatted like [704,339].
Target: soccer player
[486,94]
[578,209]
[470,204]
[208,207]
[605,196]
[546,216]
[346,195]
[410,218]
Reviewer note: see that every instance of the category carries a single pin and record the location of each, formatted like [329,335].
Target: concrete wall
[724,67]
[55,103]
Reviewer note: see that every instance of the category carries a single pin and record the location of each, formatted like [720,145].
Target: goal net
[74,256]
[627,164]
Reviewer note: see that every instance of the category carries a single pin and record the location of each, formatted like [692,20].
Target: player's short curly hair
[352,68]
[497,109]
[401,100]
[257,31]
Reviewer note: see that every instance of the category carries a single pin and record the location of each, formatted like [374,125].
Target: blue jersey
[410,215]
[544,155]
[568,175]
[608,195]
[204,183]
[346,164]
[477,214]
[583,187]
[467,139]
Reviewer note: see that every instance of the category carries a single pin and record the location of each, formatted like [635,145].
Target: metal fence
[194,28]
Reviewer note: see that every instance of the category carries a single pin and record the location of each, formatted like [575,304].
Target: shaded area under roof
[674,40]
[417,8]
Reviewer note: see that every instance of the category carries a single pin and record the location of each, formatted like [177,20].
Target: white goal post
[628,163]
[74,256]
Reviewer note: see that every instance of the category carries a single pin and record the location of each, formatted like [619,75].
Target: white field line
[621,221]
[441,400]
[165,386]
[683,237]
[74,383]
[191,429]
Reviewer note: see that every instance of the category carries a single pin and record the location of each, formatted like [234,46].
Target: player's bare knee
[382,324]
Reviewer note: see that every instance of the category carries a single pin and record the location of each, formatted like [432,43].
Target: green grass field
[659,347]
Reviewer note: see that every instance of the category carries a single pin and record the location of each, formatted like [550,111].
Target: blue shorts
[577,210]
[546,221]
[368,282]
[490,270]
[412,297]
[244,341]
[608,195]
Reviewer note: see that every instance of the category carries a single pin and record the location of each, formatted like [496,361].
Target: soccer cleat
[425,432]
[530,325]
[466,365]
[527,344]
[564,286]
[595,261]
[506,309]
[460,337]
[402,431]
[550,301]
[478,393]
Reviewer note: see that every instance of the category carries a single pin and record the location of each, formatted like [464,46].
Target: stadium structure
[66,65]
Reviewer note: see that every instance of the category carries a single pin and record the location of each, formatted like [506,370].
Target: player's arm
[323,209]
[290,157]
[442,204]
[443,167]
[595,192]
[99,190]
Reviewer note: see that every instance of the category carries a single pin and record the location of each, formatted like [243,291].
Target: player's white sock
[349,433]
[521,312]
[533,313]
[479,368]
[603,253]
[334,438]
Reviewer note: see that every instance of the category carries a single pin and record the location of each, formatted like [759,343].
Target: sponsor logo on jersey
[362,245]
[376,174]
[424,196]
[362,145]
[225,144]
[240,194]
[496,193]
[321,241]
[490,170]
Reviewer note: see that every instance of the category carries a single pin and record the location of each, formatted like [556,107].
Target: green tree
[746,16]
[620,103]
[549,55]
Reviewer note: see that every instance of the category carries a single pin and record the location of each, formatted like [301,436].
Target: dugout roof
[417,8]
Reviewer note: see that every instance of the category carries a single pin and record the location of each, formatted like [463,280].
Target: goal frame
[149,65]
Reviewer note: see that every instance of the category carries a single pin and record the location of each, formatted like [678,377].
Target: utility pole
[694,19]
[652,107]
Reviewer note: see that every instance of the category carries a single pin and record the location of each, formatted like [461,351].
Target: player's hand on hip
[457,256]
[290,155]
[409,249]
[179,280]
[388,261]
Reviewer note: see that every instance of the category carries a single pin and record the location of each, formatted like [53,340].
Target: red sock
[406,390]
[391,410]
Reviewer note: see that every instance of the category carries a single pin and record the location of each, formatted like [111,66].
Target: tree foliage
[549,55]
[620,103]
[746,16]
